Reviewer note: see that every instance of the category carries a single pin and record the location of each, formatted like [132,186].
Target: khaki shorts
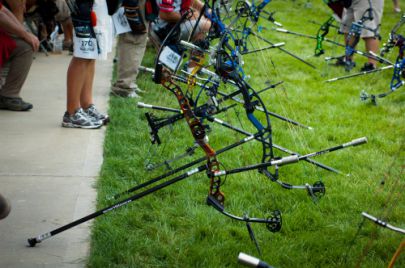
[355,12]
[64,12]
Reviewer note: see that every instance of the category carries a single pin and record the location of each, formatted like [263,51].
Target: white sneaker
[133,95]
[135,88]
[80,120]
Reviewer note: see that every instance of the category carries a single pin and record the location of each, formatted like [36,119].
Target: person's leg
[131,49]
[77,77]
[372,44]
[371,38]
[86,97]
[67,27]
[397,7]
[19,65]
[79,93]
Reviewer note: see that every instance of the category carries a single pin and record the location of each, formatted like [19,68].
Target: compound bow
[227,66]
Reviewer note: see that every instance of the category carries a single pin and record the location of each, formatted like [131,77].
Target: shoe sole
[129,96]
[71,125]
[16,109]
[106,120]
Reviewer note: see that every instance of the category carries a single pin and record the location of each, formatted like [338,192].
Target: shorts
[355,12]
[99,42]
[64,12]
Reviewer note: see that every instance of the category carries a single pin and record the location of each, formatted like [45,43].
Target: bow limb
[321,34]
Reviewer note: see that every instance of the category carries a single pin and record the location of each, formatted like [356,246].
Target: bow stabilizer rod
[383,223]
[160,108]
[38,239]
[359,74]
[309,160]
[251,261]
[193,163]
[292,158]
[282,49]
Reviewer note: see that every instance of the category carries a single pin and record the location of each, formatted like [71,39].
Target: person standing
[358,10]
[131,48]
[92,40]
[17,47]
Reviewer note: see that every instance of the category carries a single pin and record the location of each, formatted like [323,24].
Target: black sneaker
[80,120]
[14,104]
[91,111]
[368,67]
[349,65]
[340,61]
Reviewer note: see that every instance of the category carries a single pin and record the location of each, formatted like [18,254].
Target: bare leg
[372,44]
[77,76]
[86,97]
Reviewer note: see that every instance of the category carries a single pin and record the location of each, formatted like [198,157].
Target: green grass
[175,228]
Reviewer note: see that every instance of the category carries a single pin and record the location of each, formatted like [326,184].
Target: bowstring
[282,99]
[384,212]
[327,64]
[250,146]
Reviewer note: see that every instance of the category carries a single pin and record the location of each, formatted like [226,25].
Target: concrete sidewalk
[47,172]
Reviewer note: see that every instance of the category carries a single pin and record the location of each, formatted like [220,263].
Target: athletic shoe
[124,93]
[133,95]
[92,112]
[135,88]
[14,104]
[349,65]
[80,120]
[121,87]
[368,67]
[341,61]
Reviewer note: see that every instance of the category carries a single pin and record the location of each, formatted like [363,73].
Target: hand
[32,40]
